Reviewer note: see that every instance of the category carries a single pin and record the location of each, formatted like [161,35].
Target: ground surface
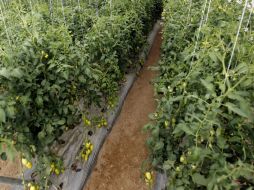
[119,162]
[9,169]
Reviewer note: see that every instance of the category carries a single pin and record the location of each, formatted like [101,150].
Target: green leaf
[235,109]
[209,86]
[213,56]
[176,99]
[158,146]
[247,108]
[41,135]
[222,87]
[88,71]
[182,127]
[148,127]
[5,73]
[235,96]
[168,164]
[66,75]
[199,179]
[17,73]
[2,116]
[11,151]
[155,132]
[49,129]
[180,188]
[216,56]
[242,68]
[82,79]
[39,101]
[61,122]
[10,110]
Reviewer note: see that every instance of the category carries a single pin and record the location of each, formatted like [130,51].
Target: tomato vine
[202,135]
[52,56]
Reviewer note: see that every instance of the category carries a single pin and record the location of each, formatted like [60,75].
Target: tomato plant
[52,56]
[202,136]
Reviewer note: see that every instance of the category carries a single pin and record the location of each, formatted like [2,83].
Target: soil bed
[9,169]
[119,161]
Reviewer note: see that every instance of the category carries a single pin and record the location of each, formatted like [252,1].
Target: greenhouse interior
[126,94]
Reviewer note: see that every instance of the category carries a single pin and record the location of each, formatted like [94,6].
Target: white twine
[189,13]
[236,39]
[208,11]
[79,4]
[110,4]
[62,3]
[51,10]
[5,26]
[199,31]
[247,25]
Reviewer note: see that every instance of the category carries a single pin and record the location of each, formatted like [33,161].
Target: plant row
[53,54]
[202,133]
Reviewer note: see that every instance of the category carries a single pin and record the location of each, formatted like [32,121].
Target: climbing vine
[202,134]
[54,57]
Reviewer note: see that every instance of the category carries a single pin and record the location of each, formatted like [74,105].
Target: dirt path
[9,169]
[119,162]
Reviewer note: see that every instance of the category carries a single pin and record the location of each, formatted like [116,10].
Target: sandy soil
[119,162]
[9,169]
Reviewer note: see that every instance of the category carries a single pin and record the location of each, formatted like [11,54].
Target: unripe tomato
[193,167]
[91,147]
[148,175]
[184,85]
[57,172]
[183,159]
[29,165]
[88,144]
[24,161]
[166,124]
[33,187]
[88,152]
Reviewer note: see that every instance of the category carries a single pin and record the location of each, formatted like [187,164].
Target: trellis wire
[208,11]
[247,25]
[110,4]
[62,4]
[189,12]
[32,8]
[236,39]
[79,4]
[51,10]
[82,9]
[97,8]
[199,31]
[31,5]
[4,4]
[5,26]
